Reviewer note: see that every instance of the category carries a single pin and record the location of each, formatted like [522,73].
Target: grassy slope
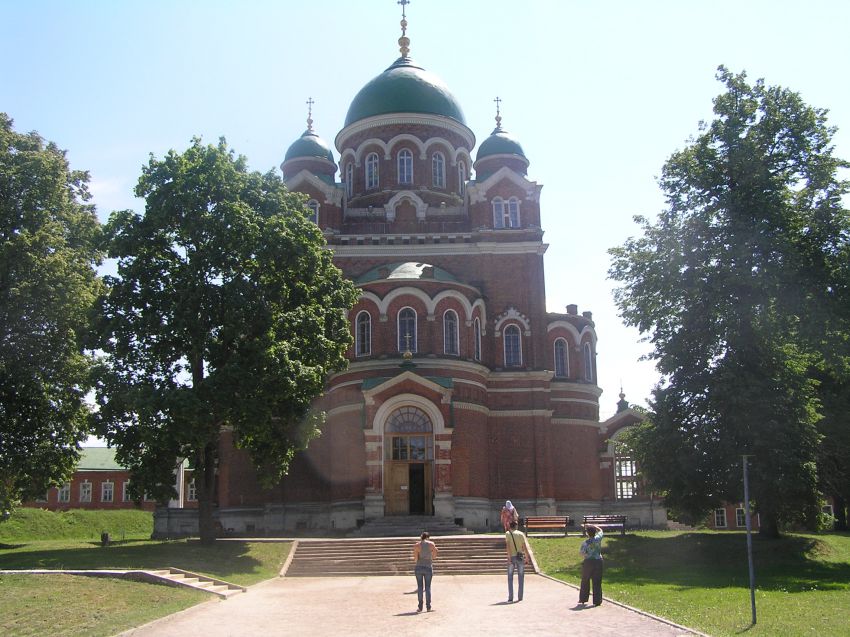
[701,579]
[76,524]
[39,605]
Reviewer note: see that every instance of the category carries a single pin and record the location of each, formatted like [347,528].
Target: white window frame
[461,178]
[372,176]
[564,358]
[588,362]
[506,213]
[363,342]
[740,517]
[509,361]
[107,491]
[405,166]
[827,508]
[192,491]
[85,491]
[402,344]
[438,170]
[720,518]
[125,491]
[451,336]
[349,180]
[63,493]
[477,337]
[313,205]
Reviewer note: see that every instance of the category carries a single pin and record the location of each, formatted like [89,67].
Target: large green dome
[404,88]
[500,142]
[309,145]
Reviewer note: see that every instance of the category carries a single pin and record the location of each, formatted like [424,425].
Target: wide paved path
[386,607]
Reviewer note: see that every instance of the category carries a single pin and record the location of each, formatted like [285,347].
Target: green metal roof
[406,271]
[404,88]
[309,145]
[98,459]
[443,381]
[500,142]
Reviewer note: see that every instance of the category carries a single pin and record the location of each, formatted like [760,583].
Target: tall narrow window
[85,491]
[372,171]
[513,347]
[477,337]
[588,362]
[405,167]
[450,336]
[64,494]
[506,213]
[125,491]
[625,473]
[461,178]
[192,491]
[407,330]
[562,364]
[313,205]
[720,518]
[107,491]
[363,334]
[349,180]
[438,170]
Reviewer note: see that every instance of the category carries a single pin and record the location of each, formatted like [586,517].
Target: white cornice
[393,119]
[437,249]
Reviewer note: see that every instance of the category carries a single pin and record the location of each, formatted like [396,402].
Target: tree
[48,285]
[227,311]
[733,284]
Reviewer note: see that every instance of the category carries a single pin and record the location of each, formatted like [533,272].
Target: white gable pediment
[478,191]
[331,192]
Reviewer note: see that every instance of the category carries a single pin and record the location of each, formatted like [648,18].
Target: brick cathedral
[462,390]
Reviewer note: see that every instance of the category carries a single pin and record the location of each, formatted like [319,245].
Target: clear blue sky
[599,93]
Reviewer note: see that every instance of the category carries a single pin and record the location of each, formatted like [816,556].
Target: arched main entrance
[409,463]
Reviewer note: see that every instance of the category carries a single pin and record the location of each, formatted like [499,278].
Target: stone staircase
[465,555]
[179,577]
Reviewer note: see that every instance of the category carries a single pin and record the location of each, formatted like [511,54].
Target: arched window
[461,178]
[409,435]
[405,167]
[477,337]
[513,346]
[349,180]
[363,334]
[588,362]
[407,330]
[438,170]
[626,482]
[450,336]
[372,171]
[313,205]
[506,213]
[562,360]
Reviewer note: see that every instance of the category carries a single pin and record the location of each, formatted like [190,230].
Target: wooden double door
[409,474]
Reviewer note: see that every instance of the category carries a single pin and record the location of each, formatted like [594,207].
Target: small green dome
[500,142]
[406,271]
[404,88]
[309,145]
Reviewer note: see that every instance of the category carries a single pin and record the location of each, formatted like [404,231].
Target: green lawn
[701,579]
[68,605]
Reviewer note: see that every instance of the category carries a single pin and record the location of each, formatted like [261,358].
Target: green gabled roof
[404,88]
[409,270]
[442,381]
[98,459]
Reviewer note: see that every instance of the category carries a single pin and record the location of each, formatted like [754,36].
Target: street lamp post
[749,541]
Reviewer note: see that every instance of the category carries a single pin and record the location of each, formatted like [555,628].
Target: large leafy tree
[227,312]
[48,283]
[733,284]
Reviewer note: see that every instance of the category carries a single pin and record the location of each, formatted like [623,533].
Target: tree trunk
[206,495]
[838,510]
[768,525]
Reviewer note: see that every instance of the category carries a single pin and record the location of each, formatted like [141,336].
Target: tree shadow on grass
[222,559]
[707,560]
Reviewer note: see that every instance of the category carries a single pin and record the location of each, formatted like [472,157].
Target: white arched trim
[384,303]
[444,146]
[411,400]
[368,146]
[479,303]
[405,137]
[412,197]
[462,154]
[452,294]
[513,314]
[571,329]
[349,152]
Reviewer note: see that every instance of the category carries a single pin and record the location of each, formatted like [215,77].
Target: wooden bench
[607,521]
[545,523]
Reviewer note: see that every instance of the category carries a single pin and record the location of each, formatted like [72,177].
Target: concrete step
[393,556]
[188,579]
